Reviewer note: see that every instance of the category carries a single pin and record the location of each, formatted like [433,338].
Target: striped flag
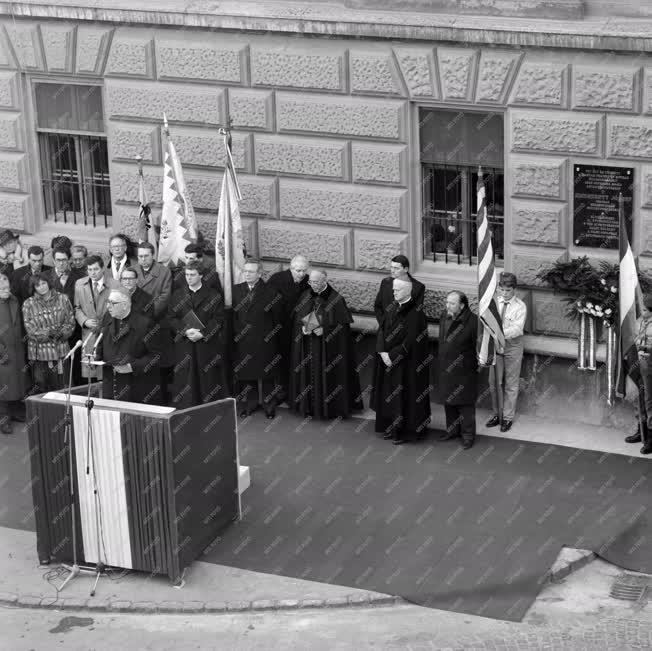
[177,216]
[629,296]
[230,251]
[490,328]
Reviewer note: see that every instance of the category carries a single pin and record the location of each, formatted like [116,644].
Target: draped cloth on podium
[167,481]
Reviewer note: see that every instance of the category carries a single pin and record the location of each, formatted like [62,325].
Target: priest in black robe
[399,267]
[196,317]
[290,284]
[324,381]
[401,390]
[130,350]
[257,316]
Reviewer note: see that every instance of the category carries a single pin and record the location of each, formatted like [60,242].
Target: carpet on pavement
[470,531]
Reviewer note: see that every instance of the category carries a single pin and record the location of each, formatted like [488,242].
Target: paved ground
[575,615]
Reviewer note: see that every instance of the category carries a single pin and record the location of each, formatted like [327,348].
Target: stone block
[566,133]
[258,196]
[26,41]
[11,131]
[457,72]
[342,203]
[495,74]
[646,231]
[374,250]
[549,315]
[647,90]
[321,244]
[200,59]
[359,290]
[15,210]
[344,116]
[377,163]
[92,49]
[9,91]
[539,177]
[541,84]
[205,147]
[373,72]
[321,158]
[606,88]
[538,222]
[7,59]
[629,137]
[418,68]
[127,141]
[13,171]
[131,55]
[527,265]
[182,103]
[293,68]
[646,186]
[58,43]
[251,109]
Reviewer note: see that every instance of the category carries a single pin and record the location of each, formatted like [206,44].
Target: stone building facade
[326,109]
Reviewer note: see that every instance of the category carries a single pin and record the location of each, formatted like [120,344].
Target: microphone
[72,351]
[97,341]
[90,334]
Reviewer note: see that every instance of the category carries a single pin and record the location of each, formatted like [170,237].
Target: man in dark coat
[20,279]
[197,320]
[324,382]
[195,253]
[130,351]
[290,284]
[13,367]
[401,391]
[458,368]
[257,315]
[142,302]
[398,268]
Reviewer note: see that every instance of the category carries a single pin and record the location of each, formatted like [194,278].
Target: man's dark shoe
[447,436]
[506,426]
[493,421]
[244,413]
[467,443]
[271,414]
[388,435]
[6,427]
[399,441]
[647,448]
[633,438]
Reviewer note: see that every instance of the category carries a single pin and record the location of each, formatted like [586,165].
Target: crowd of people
[164,336]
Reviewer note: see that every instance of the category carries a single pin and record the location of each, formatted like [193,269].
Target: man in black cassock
[399,267]
[457,365]
[257,315]
[401,391]
[324,382]
[130,350]
[197,318]
[290,284]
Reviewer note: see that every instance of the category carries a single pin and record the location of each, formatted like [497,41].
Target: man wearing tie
[508,362]
[91,293]
[119,259]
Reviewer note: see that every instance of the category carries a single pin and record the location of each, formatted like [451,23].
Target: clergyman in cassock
[290,284]
[130,350]
[399,267]
[257,316]
[324,382]
[197,319]
[457,366]
[401,391]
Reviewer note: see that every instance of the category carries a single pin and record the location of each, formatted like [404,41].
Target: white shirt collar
[194,290]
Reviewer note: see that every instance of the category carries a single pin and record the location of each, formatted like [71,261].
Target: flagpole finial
[139,161]
[480,171]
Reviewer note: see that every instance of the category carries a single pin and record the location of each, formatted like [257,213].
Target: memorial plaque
[595,204]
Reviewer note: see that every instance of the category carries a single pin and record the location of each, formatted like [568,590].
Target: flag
[629,299]
[230,252]
[174,233]
[490,327]
[147,229]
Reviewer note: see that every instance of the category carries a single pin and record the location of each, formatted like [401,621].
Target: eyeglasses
[128,280]
[114,303]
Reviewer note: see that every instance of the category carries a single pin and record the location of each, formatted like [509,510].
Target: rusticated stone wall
[323,138]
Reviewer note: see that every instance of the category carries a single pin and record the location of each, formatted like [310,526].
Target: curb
[219,607]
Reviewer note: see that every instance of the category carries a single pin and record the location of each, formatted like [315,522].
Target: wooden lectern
[167,481]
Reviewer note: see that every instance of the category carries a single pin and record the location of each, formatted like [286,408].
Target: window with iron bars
[453,146]
[73,154]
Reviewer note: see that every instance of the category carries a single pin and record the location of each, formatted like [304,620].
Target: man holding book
[196,317]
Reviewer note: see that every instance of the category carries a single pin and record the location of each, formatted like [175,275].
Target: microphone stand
[74,569]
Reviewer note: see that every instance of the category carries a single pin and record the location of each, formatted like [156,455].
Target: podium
[168,481]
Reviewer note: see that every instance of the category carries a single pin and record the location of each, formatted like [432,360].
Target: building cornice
[600,33]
